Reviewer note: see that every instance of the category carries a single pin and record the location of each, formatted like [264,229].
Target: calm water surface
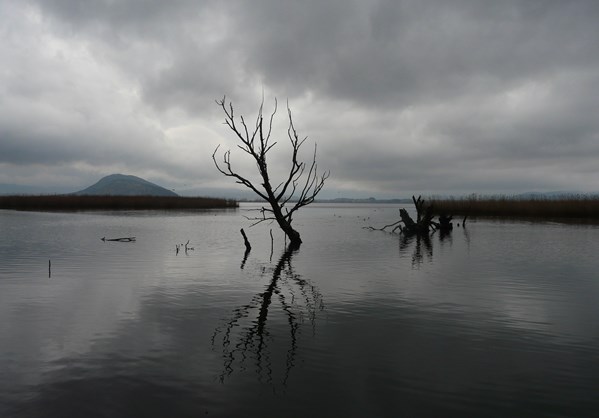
[497,319]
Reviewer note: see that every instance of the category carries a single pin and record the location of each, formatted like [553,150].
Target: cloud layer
[401,96]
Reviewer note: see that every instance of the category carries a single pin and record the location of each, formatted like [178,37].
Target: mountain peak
[125,185]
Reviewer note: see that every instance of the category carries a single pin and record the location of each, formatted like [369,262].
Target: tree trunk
[292,234]
[411,227]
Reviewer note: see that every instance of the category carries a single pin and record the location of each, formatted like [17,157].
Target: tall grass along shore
[566,207]
[76,203]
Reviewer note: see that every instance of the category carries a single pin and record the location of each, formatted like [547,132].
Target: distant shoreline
[568,207]
[109,202]
[370,200]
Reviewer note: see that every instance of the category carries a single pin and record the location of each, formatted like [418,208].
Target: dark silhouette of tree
[297,190]
[423,223]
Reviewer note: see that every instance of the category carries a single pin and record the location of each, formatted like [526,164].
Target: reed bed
[567,207]
[80,203]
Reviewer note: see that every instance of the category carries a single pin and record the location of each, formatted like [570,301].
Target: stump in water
[423,223]
[424,218]
[445,223]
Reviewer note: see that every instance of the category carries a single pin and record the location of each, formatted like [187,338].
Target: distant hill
[124,185]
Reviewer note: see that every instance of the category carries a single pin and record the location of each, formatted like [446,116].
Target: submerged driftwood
[124,239]
[424,222]
[424,218]
[445,223]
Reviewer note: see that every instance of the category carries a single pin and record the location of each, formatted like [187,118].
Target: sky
[401,96]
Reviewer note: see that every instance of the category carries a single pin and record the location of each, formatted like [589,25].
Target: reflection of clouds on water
[502,315]
[245,337]
[61,318]
[488,271]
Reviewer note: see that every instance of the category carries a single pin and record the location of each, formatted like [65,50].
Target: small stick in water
[271,245]
[245,240]
[248,248]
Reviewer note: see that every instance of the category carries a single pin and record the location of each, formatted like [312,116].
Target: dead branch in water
[124,239]
[396,224]
[424,220]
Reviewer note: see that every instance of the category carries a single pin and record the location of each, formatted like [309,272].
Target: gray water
[496,319]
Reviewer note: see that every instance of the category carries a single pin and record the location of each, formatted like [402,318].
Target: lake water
[497,319]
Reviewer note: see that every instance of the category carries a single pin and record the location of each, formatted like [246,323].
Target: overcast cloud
[402,97]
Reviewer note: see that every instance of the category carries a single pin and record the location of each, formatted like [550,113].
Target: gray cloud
[401,96]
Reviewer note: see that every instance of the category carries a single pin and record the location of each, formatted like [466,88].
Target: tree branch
[285,191]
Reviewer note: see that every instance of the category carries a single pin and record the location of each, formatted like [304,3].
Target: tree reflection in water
[422,246]
[245,337]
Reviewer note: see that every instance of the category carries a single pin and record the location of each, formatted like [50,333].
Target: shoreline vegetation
[109,202]
[572,207]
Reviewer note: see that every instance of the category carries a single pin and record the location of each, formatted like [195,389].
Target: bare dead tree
[297,190]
